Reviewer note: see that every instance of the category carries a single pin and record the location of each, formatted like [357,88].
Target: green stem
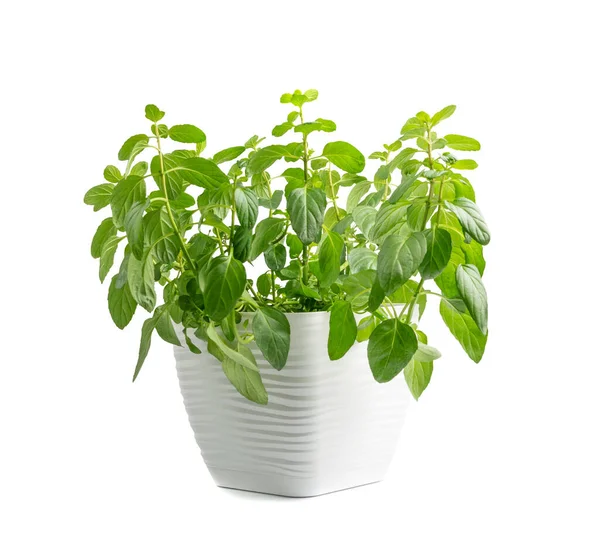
[230,249]
[305,162]
[391,304]
[168,205]
[305,264]
[332,190]
[387,181]
[219,240]
[413,300]
[264,175]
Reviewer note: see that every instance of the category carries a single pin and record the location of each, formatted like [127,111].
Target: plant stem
[413,300]
[273,285]
[168,205]
[305,162]
[332,189]
[219,240]
[305,264]
[391,304]
[230,249]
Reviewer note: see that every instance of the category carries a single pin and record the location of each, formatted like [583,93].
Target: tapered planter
[328,424]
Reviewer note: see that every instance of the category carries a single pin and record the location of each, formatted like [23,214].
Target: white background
[500,453]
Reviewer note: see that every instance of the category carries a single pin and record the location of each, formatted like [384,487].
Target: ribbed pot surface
[328,424]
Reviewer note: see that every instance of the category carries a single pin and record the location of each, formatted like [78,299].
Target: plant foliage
[188,226]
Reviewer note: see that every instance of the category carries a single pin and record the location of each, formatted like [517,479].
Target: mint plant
[375,255]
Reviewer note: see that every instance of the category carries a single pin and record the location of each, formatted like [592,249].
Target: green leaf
[173,179]
[133,227]
[330,254]
[247,382]
[404,293]
[391,347]
[267,231]
[306,207]
[191,346]
[281,129]
[164,328]
[127,192]
[443,114]
[471,219]
[265,157]
[471,289]
[139,169]
[365,327]
[131,147]
[417,375]
[294,176]
[228,154]
[217,202]
[107,256]
[376,297]
[187,133]
[273,202]
[153,113]
[272,335]
[263,284]
[458,142]
[122,275]
[474,255]
[446,280]
[246,206]
[364,218]
[112,174]
[307,128]
[311,95]
[399,259]
[358,286]
[105,231]
[147,330]
[342,329]
[242,243]
[439,250]
[121,304]
[406,186]
[362,258]
[297,288]
[426,353]
[345,156]
[464,329]
[356,194]
[390,220]
[245,359]
[99,196]
[401,159]
[275,257]
[201,172]
[159,236]
[294,244]
[140,277]
[465,164]
[415,216]
[318,125]
[224,284]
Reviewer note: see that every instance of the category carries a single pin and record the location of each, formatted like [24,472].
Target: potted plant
[290,308]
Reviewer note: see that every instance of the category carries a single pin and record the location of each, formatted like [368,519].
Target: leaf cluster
[323,236]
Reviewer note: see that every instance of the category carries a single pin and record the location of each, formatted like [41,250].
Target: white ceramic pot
[328,424]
